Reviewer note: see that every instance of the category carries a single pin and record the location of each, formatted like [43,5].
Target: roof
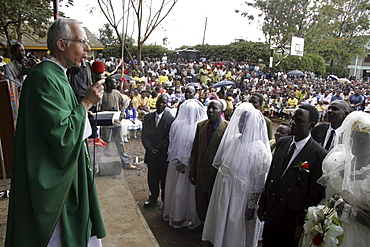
[37,43]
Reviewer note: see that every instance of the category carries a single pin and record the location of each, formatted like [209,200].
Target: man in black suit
[291,185]
[155,138]
[326,133]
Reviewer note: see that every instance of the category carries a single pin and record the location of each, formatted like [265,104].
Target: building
[360,66]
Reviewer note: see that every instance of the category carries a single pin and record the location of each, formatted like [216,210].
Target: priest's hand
[93,95]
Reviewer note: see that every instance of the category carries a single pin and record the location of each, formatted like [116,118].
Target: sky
[185,25]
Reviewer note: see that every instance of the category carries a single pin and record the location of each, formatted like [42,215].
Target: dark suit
[319,133]
[286,197]
[156,138]
[201,161]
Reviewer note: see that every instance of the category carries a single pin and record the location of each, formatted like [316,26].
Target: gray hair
[60,29]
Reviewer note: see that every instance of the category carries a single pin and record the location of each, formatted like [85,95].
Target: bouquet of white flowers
[322,227]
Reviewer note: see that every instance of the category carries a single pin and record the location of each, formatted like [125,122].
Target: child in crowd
[320,108]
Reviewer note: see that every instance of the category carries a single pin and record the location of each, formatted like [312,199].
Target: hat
[1,57]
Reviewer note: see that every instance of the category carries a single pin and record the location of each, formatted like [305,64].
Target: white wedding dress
[179,207]
[346,172]
[243,159]
[355,233]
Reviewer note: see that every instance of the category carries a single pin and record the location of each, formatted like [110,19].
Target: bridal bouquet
[322,227]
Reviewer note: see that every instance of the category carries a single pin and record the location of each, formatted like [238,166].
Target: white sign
[297,46]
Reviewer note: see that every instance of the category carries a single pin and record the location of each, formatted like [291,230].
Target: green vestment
[52,178]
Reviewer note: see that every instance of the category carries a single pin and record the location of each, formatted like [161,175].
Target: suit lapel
[280,156]
[213,143]
[303,154]
[203,135]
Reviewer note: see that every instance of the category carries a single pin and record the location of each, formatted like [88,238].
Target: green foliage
[338,70]
[309,62]
[154,51]
[26,17]
[334,29]
[106,36]
[252,52]
[318,63]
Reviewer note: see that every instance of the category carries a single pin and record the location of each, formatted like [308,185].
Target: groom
[291,183]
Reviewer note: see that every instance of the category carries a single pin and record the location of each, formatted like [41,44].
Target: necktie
[157,119]
[289,155]
[209,133]
[328,144]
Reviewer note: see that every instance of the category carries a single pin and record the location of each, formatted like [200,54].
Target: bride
[243,159]
[346,175]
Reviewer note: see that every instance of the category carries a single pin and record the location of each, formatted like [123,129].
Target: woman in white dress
[243,160]
[179,200]
[346,175]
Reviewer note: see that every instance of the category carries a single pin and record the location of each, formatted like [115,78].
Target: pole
[123,40]
[271,57]
[56,14]
[205,28]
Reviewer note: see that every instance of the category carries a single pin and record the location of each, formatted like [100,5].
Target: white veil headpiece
[183,129]
[244,151]
[351,146]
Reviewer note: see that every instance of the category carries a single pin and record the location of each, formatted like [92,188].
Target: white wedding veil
[183,129]
[350,155]
[244,151]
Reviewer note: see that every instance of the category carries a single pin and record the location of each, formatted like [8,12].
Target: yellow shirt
[153,102]
[143,101]
[163,78]
[292,102]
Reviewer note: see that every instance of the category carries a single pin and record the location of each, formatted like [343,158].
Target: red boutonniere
[303,166]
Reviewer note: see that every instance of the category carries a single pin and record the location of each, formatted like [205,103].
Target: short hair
[217,101]
[161,96]
[190,88]
[60,29]
[314,114]
[259,96]
[343,105]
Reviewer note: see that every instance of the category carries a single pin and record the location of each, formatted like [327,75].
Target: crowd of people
[209,149]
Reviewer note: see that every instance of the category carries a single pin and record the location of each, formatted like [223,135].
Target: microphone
[98,69]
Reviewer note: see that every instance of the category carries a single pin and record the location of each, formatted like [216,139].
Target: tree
[282,19]
[112,44]
[252,52]
[333,29]
[146,14]
[338,31]
[27,17]
[309,62]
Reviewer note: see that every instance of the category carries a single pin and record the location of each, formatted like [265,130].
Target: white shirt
[298,147]
[327,136]
[158,118]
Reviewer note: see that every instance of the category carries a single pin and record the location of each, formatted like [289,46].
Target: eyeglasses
[84,42]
